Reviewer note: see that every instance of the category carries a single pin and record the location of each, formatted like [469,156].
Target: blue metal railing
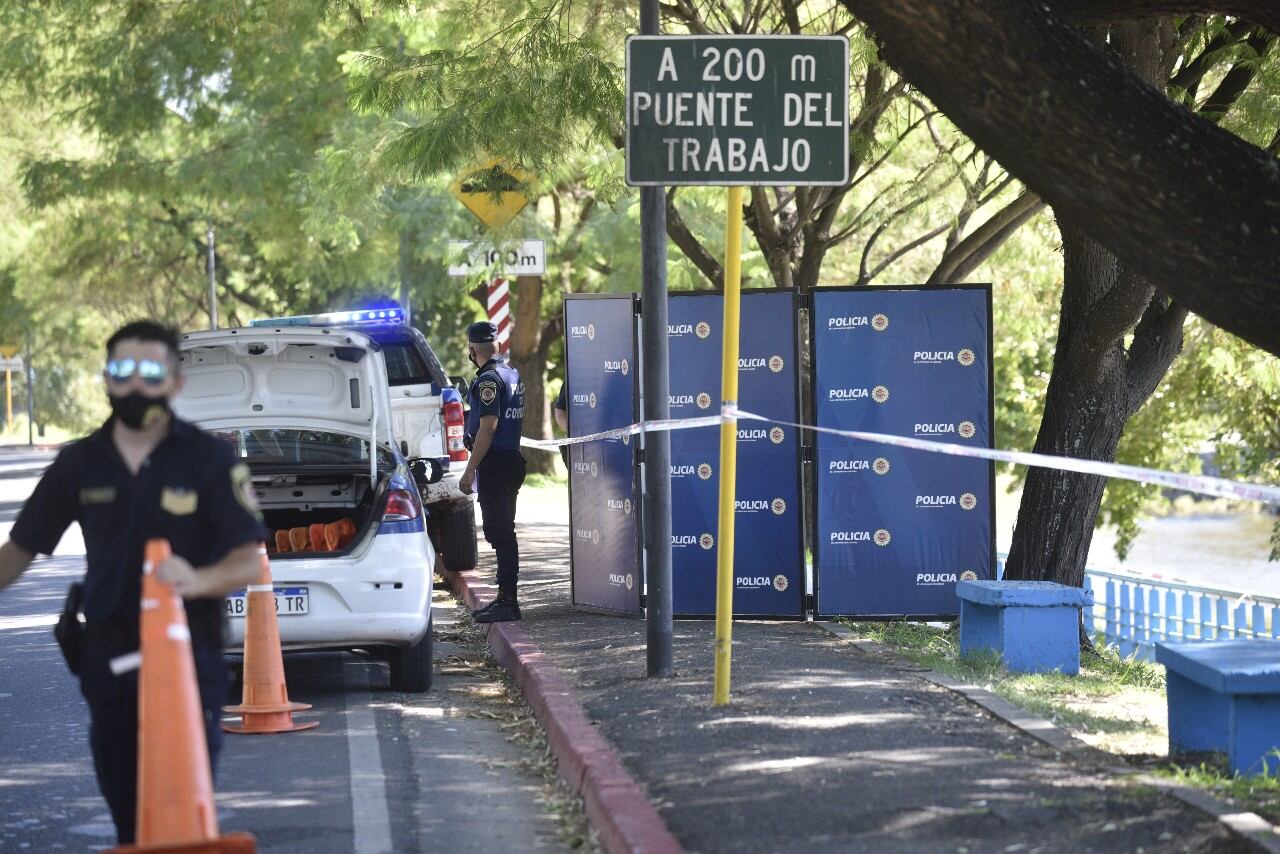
[1135,612]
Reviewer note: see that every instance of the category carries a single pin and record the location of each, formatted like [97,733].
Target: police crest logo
[626,508]
[595,536]
[968,575]
[778,506]
[631,581]
[880,466]
[968,501]
[882,537]
[880,394]
[780,583]
[776,364]
[880,322]
[776,435]
[704,471]
[706,541]
[966,429]
[591,400]
[704,400]
[625,367]
[965,357]
[591,332]
[488,391]
[626,439]
[703,329]
[595,469]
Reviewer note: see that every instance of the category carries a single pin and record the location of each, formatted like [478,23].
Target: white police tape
[1200,484]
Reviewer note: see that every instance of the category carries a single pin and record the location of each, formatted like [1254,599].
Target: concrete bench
[1225,696]
[1033,625]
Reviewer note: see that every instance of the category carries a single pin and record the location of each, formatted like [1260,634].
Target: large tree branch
[1237,79]
[1188,204]
[959,262]
[1263,12]
[1157,340]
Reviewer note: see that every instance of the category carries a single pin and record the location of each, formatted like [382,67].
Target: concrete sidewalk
[827,745]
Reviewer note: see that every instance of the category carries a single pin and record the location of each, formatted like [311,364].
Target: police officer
[144,474]
[496,467]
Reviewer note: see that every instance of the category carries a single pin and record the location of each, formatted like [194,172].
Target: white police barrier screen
[604,507]
[897,528]
[768,110]
[768,554]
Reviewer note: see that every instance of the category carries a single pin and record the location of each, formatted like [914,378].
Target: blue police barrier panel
[768,548]
[896,528]
[604,508]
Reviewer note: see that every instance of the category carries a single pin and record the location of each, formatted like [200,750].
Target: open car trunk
[309,411]
[318,511]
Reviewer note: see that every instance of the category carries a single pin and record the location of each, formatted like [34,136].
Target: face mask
[137,411]
[471,357]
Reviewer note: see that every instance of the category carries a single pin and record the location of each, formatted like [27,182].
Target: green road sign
[737,110]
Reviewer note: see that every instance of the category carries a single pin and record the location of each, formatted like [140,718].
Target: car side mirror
[460,384]
[426,470]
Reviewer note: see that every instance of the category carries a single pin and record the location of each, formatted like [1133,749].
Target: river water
[1220,550]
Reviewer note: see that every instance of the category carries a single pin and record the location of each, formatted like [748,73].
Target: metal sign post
[656,387]
[728,443]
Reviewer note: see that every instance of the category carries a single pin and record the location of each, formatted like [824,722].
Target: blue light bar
[337,318]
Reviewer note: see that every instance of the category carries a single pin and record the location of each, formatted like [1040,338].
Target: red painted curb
[616,805]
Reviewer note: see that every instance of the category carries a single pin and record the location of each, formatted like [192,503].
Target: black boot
[504,609]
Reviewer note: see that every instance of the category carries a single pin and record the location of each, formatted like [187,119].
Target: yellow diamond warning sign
[492,191]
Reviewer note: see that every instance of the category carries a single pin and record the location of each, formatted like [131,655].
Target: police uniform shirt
[497,390]
[191,491]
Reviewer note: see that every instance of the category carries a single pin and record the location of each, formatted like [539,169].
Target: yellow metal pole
[728,444]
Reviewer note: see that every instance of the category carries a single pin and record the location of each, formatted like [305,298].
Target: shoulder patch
[242,488]
[488,391]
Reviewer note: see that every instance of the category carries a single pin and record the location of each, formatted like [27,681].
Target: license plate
[290,602]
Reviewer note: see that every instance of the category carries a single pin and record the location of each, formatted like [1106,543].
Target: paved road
[384,771]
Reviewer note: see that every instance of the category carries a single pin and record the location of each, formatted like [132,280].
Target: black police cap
[482,332]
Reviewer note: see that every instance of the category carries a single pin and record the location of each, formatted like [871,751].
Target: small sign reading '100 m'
[725,110]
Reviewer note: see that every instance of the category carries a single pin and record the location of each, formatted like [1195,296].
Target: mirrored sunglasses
[151,371]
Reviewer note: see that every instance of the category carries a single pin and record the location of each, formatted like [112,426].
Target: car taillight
[402,506]
[454,422]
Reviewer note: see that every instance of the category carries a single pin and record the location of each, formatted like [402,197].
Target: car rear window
[404,364]
[300,447]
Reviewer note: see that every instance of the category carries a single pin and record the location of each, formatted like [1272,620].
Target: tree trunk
[1096,385]
[1192,206]
[526,338]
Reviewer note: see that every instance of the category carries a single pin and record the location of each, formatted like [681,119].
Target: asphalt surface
[824,746]
[384,771]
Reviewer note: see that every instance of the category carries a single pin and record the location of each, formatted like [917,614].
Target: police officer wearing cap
[145,474]
[496,467]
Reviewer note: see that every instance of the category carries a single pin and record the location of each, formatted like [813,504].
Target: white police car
[426,414]
[309,410]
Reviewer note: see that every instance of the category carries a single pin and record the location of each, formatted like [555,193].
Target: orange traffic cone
[264,704]
[175,788]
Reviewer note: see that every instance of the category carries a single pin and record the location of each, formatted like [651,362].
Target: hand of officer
[467,481]
[182,576]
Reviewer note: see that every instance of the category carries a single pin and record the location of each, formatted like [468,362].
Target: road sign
[491,191]
[517,258]
[11,363]
[9,350]
[737,110]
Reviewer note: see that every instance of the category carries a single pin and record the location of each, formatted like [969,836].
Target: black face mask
[471,357]
[137,411]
